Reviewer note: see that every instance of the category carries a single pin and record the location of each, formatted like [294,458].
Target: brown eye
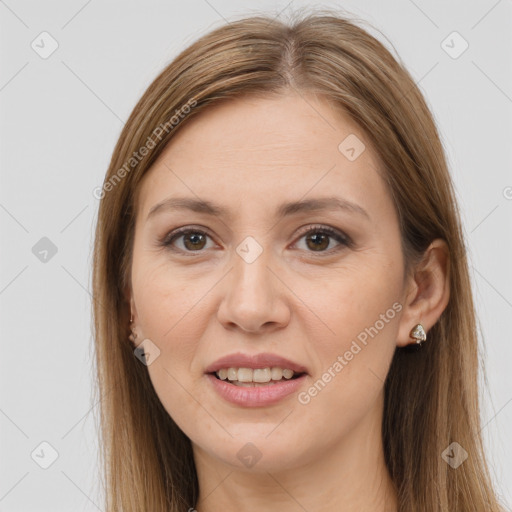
[193,240]
[318,239]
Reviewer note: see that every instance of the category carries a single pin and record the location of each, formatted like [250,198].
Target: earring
[133,335]
[418,333]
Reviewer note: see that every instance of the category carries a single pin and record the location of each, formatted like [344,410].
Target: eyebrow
[286,209]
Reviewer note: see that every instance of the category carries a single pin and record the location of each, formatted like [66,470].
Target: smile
[250,377]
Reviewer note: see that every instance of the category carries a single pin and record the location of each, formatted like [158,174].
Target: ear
[427,292]
[131,310]
[128,297]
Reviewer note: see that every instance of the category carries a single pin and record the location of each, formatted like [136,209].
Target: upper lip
[262,360]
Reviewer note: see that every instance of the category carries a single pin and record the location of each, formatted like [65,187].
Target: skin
[250,155]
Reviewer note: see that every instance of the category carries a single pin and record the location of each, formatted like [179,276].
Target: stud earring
[133,335]
[418,333]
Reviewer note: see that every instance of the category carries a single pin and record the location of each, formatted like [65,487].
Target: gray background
[60,118]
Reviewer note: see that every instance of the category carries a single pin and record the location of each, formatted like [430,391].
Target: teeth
[248,376]
[245,375]
[277,373]
[287,374]
[261,375]
[253,384]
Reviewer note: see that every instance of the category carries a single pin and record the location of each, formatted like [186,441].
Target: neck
[350,476]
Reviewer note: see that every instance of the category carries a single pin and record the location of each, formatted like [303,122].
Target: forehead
[278,126]
[264,149]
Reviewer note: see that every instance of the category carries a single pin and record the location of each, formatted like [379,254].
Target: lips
[254,394]
[264,395]
[254,361]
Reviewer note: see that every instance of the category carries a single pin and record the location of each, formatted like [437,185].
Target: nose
[254,298]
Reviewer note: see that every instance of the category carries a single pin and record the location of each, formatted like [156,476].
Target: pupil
[317,242]
[195,239]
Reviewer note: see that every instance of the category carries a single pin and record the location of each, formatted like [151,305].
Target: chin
[252,450]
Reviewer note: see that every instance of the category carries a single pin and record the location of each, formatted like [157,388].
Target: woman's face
[320,286]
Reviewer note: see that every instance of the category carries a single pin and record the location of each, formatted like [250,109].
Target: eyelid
[168,239]
[335,233]
[324,228]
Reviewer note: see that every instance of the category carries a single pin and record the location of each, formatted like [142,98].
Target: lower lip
[256,396]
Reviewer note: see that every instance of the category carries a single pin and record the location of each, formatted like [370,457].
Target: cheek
[349,300]
[167,299]
[171,314]
[171,307]
[353,338]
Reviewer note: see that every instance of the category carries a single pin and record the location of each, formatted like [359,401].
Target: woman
[283,313]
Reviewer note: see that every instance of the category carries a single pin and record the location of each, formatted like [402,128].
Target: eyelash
[340,237]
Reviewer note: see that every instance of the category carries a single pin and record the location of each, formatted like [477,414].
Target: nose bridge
[252,298]
[251,273]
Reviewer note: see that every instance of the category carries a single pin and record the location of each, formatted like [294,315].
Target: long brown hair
[431,395]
